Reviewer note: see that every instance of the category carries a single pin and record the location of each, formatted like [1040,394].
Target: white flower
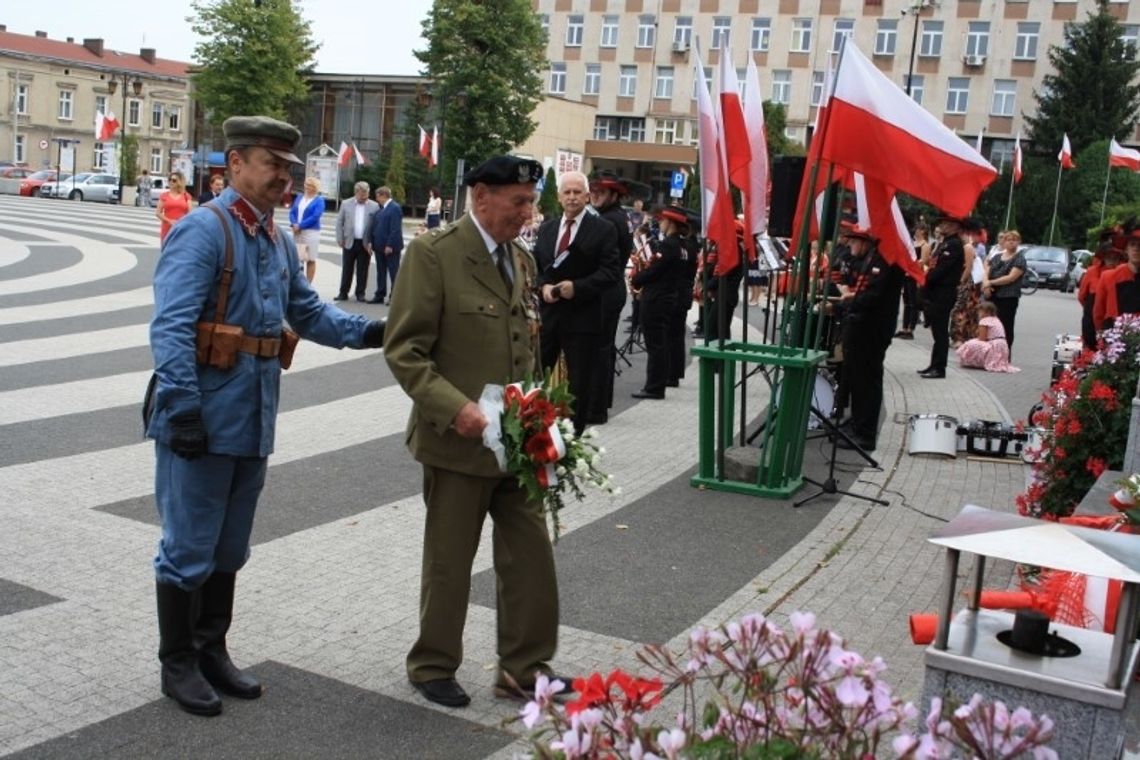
[590,433]
[601,449]
[672,742]
[616,490]
[531,714]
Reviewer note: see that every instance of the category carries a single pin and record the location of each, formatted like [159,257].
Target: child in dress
[988,350]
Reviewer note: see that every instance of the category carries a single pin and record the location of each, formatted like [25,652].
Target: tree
[254,58]
[128,158]
[484,59]
[395,176]
[548,200]
[1091,93]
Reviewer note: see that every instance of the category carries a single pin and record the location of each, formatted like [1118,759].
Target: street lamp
[460,98]
[914,10]
[136,87]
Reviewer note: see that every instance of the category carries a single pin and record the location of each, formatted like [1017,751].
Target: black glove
[374,333]
[188,435]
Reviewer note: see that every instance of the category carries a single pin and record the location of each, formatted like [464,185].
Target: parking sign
[677,187]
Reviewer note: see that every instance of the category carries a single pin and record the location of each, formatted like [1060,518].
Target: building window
[761,34]
[544,21]
[100,104]
[1025,48]
[931,44]
[886,36]
[99,156]
[801,35]
[22,99]
[1129,36]
[666,131]
[708,82]
[592,84]
[558,79]
[156,116]
[844,27]
[1005,95]
[917,88]
[957,95]
[683,31]
[721,32]
[817,78]
[978,38]
[632,130]
[663,86]
[1001,153]
[627,82]
[134,112]
[156,161]
[609,32]
[781,86]
[646,31]
[174,118]
[66,101]
[574,31]
[21,156]
[605,128]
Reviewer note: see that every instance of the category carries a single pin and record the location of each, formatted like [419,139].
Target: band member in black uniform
[675,337]
[714,292]
[941,289]
[658,284]
[606,191]
[576,254]
[872,308]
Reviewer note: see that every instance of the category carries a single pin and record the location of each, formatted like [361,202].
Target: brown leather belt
[265,348]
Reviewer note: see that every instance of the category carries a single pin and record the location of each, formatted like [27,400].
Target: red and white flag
[716,202]
[360,159]
[811,197]
[737,147]
[879,209]
[1066,154]
[1017,160]
[875,129]
[1121,156]
[425,144]
[756,198]
[343,155]
[433,160]
[105,126]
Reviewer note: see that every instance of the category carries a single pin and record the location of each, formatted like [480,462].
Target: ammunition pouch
[289,341]
[218,344]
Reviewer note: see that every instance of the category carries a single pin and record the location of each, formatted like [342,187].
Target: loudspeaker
[787,173]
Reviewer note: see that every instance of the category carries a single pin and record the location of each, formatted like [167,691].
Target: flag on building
[105,126]
[1017,160]
[343,155]
[1121,156]
[360,159]
[1066,154]
[875,129]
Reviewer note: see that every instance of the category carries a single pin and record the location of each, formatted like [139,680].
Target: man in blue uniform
[224,286]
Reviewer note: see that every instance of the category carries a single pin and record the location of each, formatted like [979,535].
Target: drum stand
[831,486]
[633,341]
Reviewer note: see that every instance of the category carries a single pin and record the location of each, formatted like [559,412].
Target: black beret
[278,137]
[504,170]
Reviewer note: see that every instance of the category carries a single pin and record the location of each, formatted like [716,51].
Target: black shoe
[340,297]
[646,394]
[862,443]
[182,680]
[673,384]
[362,299]
[933,374]
[443,691]
[597,419]
[216,612]
[377,299]
[924,370]
[526,693]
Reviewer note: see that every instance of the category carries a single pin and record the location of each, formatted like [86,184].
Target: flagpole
[1056,198]
[1009,203]
[1104,198]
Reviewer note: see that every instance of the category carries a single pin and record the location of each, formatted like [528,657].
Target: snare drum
[822,397]
[933,434]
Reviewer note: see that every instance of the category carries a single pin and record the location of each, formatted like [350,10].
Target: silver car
[88,186]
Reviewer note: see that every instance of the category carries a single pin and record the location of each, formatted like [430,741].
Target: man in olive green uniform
[465,316]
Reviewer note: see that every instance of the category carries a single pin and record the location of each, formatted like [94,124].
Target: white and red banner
[1066,154]
[1121,156]
[343,155]
[716,202]
[874,128]
[360,159]
[737,146]
[433,161]
[1017,160]
[105,126]
[879,210]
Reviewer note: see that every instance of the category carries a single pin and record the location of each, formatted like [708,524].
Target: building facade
[50,91]
[974,64]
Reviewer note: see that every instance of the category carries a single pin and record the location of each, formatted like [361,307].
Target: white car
[88,186]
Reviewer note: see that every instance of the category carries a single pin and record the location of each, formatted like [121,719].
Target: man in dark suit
[941,290]
[606,192]
[387,242]
[577,255]
[354,236]
[465,317]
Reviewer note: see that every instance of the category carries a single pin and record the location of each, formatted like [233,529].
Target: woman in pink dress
[988,350]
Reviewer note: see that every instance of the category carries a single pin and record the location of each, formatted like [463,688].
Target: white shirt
[358,221]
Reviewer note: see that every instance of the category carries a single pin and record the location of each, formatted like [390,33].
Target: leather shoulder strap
[227,268]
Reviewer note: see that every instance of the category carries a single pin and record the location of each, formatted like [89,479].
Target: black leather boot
[217,612]
[182,681]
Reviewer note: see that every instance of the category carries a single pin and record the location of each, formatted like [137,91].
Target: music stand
[633,341]
[830,485]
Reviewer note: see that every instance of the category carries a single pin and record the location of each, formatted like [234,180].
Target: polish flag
[360,159]
[716,202]
[879,209]
[1017,160]
[105,126]
[425,144]
[877,130]
[434,159]
[343,155]
[737,147]
[1066,154]
[811,197]
[756,198]
[1121,156]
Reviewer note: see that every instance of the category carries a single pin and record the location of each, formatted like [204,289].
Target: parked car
[1051,263]
[15,172]
[158,186]
[1082,257]
[88,186]
[32,183]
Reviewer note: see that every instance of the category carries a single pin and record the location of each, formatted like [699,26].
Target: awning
[213,158]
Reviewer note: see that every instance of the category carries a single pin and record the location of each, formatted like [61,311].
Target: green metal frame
[780,473]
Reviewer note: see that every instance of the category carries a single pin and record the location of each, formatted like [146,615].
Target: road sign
[43,144]
[677,185]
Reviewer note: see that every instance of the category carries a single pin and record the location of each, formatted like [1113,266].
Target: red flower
[640,693]
[1100,391]
[1096,466]
[592,691]
[1059,453]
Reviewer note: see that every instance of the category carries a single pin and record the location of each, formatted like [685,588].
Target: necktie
[503,264]
[564,243]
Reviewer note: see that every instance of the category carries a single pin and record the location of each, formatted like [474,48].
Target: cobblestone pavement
[327,606]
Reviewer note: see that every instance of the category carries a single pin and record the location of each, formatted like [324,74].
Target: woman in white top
[305,217]
[434,208]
